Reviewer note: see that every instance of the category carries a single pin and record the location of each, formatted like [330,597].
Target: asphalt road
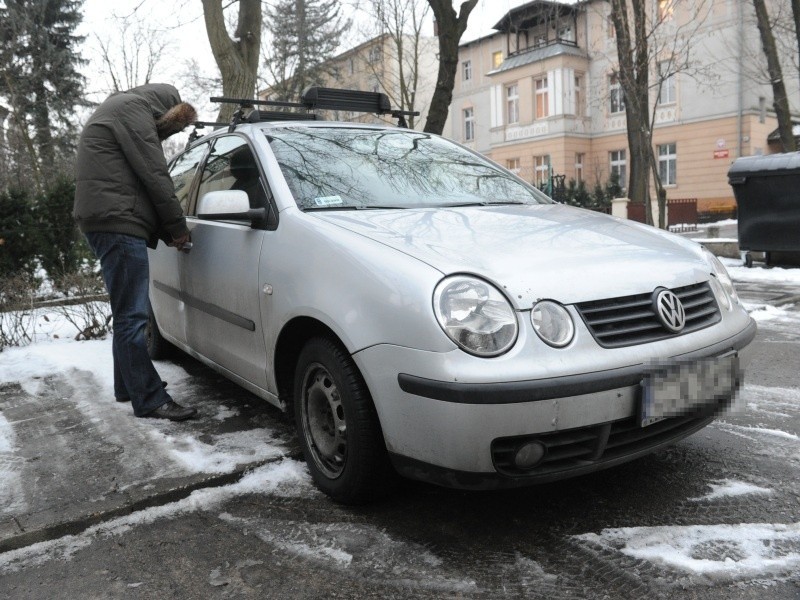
[553,541]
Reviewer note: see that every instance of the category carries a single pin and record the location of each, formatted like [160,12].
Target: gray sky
[182,22]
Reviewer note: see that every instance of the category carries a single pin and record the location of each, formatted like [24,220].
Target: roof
[538,54]
[533,13]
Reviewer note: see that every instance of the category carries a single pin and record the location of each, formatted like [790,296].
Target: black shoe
[173,411]
[127,399]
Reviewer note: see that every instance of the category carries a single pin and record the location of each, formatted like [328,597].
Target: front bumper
[453,433]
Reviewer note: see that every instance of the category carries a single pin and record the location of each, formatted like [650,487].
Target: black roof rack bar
[279,115]
[317,98]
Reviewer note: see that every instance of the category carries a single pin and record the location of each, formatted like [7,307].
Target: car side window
[231,165]
[182,173]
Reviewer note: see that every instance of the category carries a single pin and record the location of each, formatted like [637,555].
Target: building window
[666,9]
[579,158]
[351,66]
[512,164]
[616,96]
[619,166]
[667,78]
[512,104]
[374,54]
[542,109]
[497,59]
[579,110]
[566,34]
[667,163]
[541,170]
[466,70]
[469,124]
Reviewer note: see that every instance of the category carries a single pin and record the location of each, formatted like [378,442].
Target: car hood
[536,251]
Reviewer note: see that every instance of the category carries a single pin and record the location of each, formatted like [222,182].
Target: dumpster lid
[785,163]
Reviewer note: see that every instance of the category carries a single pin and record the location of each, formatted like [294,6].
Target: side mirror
[228,205]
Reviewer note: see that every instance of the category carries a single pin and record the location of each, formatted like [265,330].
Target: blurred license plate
[682,388]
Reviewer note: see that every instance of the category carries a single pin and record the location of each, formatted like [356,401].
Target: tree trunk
[451,28]
[779,98]
[634,80]
[796,14]
[236,58]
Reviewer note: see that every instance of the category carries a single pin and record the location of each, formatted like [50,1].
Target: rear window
[348,168]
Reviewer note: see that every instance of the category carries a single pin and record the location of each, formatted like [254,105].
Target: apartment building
[375,66]
[541,95]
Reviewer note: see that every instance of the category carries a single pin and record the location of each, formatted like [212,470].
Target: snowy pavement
[96,503]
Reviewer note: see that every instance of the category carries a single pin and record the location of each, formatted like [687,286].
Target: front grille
[587,446]
[631,320]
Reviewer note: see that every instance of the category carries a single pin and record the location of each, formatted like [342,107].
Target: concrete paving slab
[76,457]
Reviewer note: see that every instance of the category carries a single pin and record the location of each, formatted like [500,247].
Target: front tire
[337,425]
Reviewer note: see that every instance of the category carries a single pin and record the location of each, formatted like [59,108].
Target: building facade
[403,67]
[541,95]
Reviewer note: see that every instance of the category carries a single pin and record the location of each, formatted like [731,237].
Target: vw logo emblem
[669,310]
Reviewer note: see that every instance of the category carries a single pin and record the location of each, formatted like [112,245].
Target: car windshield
[335,168]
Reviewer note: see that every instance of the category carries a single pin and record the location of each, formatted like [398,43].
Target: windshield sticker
[327,200]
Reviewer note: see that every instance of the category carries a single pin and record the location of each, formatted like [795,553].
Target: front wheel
[338,426]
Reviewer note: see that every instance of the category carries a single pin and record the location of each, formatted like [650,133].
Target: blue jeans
[123,259]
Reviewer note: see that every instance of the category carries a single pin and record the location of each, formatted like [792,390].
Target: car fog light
[529,455]
[552,323]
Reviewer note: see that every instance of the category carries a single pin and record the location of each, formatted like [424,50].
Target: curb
[76,526]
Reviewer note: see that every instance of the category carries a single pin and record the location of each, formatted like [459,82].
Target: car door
[165,262]
[219,275]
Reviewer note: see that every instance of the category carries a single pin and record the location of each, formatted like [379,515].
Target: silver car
[423,311]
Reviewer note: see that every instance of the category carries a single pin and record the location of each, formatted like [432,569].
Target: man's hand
[183,242]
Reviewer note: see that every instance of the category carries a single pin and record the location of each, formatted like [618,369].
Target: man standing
[124,202]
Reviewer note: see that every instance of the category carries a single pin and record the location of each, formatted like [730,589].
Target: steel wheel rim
[324,426]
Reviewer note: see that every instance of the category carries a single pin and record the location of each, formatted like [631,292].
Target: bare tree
[450,28]
[779,98]
[237,55]
[400,23]
[651,51]
[131,53]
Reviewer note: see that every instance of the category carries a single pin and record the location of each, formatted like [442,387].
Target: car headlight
[723,288]
[552,323]
[475,315]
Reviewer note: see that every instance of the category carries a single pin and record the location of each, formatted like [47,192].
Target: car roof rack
[314,98]
[195,134]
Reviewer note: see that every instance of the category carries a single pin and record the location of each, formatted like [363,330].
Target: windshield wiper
[360,207]
[499,203]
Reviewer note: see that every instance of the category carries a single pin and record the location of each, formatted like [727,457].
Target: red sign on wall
[721,153]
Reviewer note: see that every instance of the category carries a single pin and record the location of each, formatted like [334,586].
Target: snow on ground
[760,274]
[11,496]
[89,364]
[286,478]
[721,553]
[730,487]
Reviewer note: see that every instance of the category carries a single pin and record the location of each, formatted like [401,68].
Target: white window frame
[580,157]
[580,111]
[469,123]
[497,59]
[513,165]
[618,163]
[542,97]
[666,94]
[668,163]
[466,72]
[541,170]
[616,96]
[512,103]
